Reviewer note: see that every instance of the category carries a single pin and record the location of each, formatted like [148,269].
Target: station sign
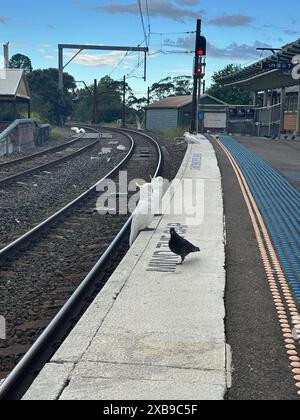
[238,112]
[279,65]
[232,112]
[250,113]
[201,116]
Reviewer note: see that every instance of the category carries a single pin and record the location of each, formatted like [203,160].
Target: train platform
[156,330]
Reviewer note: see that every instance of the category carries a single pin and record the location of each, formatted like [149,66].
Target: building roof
[213,98]
[177,102]
[13,84]
[256,78]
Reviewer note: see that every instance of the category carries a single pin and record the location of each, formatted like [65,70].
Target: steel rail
[44,152]
[47,165]
[67,311]
[15,245]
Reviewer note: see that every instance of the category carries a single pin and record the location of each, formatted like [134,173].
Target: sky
[234,29]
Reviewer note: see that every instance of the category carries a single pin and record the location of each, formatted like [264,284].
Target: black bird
[181,246]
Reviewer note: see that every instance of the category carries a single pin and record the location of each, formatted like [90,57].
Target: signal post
[199,74]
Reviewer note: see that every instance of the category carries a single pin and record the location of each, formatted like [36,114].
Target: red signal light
[200,53]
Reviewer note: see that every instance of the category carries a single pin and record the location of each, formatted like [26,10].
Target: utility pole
[95,103]
[124,103]
[196,78]
[6,55]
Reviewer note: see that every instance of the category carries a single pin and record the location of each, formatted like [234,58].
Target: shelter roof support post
[254,96]
[15,109]
[282,110]
[29,109]
[298,114]
[266,94]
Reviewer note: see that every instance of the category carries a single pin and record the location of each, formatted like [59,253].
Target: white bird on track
[82,130]
[143,215]
[76,130]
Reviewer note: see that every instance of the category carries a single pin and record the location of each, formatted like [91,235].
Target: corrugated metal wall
[161,119]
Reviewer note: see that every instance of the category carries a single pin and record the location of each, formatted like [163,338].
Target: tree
[47,100]
[230,95]
[176,86]
[20,61]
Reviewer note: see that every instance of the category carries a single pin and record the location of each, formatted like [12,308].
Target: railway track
[19,169]
[41,304]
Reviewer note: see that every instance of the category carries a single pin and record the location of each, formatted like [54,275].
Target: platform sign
[232,112]
[250,113]
[201,116]
[215,120]
[279,65]
[241,113]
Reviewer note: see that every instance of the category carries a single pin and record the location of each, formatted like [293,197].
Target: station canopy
[13,85]
[257,78]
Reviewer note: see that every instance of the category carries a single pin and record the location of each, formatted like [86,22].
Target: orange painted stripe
[275,287]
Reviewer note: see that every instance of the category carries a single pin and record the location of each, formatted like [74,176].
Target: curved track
[18,169]
[62,250]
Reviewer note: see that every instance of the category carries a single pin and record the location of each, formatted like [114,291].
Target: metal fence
[242,119]
[268,121]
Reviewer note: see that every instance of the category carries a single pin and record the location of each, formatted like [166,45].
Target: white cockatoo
[76,130]
[143,215]
[157,194]
[82,130]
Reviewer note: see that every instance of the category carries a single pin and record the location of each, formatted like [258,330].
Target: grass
[176,132]
[56,133]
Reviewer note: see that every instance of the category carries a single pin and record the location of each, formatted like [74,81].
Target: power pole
[95,103]
[196,78]
[124,103]
[6,55]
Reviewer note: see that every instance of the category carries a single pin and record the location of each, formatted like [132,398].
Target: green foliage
[47,99]
[175,133]
[176,86]
[57,133]
[20,61]
[233,96]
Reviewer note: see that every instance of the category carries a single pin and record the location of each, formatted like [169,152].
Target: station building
[175,111]
[18,135]
[14,91]
[275,91]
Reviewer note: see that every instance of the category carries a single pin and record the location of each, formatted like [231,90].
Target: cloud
[189,2]
[242,52]
[285,30]
[50,26]
[232,20]
[157,8]
[291,32]
[101,60]
[3,20]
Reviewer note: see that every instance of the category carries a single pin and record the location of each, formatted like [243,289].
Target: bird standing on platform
[157,194]
[143,214]
[181,246]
